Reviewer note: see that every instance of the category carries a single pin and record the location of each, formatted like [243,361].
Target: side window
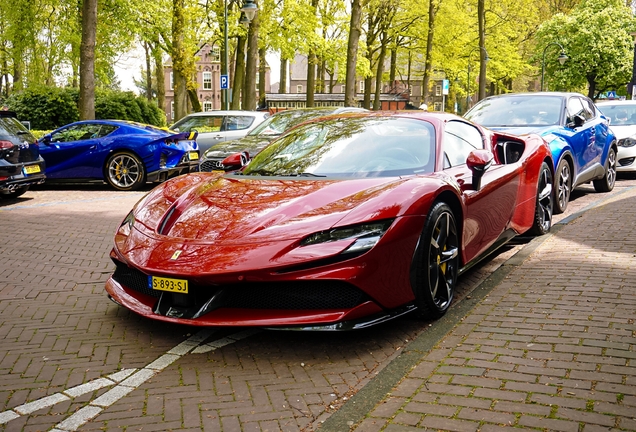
[459,140]
[79,133]
[589,108]
[575,107]
[238,122]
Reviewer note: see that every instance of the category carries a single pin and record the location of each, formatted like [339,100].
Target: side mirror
[236,161]
[576,121]
[478,161]
[46,139]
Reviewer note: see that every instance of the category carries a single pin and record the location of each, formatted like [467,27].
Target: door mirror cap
[478,161]
[236,161]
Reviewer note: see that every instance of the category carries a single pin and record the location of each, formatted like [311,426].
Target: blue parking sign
[225,81]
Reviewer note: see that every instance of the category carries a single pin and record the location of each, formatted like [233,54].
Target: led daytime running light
[371,230]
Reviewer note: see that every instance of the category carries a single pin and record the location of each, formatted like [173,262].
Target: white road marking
[125,381]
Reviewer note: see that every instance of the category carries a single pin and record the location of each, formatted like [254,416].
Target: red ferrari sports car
[343,222]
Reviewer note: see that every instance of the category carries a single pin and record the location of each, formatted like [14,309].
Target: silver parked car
[215,127]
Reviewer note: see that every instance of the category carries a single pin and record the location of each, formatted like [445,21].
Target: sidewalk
[547,343]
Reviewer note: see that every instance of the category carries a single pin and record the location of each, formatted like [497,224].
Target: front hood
[229,210]
[251,144]
[622,132]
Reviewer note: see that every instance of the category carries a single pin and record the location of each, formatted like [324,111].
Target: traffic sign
[445,85]
[225,82]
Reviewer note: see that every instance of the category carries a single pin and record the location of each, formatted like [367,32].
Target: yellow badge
[176,254]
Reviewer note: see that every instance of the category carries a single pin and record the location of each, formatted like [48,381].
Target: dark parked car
[582,144]
[265,133]
[124,154]
[20,162]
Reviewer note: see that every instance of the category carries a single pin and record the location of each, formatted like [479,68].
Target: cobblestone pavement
[72,360]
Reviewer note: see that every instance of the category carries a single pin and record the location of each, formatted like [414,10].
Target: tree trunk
[481,16]
[194,100]
[239,74]
[148,71]
[249,90]
[428,64]
[352,53]
[178,60]
[262,73]
[378,76]
[282,89]
[311,77]
[87,60]
[393,69]
[159,74]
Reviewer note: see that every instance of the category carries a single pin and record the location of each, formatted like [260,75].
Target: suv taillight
[5,145]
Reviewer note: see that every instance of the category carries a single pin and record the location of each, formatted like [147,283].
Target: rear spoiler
[184,136]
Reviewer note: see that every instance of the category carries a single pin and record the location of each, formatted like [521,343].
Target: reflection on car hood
[251,144]
[228,210]
[523,130]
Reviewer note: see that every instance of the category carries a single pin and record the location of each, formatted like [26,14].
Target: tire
[543,207]
[15,193]
[436,262]
[124,171]
[563,186]
[606,184]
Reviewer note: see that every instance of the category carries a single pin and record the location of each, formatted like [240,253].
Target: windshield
[510,111]
[621,114]
[350,147]
[280,122]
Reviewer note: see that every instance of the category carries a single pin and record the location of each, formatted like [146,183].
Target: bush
[52,107]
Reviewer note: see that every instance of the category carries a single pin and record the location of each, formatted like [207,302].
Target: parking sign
[225,82]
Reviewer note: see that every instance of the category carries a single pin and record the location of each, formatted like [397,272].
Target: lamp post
[486,58]
[249,10]
[562,58]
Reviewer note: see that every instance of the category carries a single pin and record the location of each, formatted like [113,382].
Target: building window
[342,88]
[437,106]
[361,86]
[171,108]
[207,80]
[299,89]
[207,106]
[216,54]
[171,81]
[438,90]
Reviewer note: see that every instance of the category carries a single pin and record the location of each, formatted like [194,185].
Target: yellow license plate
[32,169]
[194,155]
[168,284]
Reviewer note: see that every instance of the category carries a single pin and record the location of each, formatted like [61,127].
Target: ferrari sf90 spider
[341,223]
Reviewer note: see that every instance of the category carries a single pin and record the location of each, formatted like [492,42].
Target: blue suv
[582,144]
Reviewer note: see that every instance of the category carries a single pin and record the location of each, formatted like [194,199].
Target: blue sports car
[583,147]
[124,154]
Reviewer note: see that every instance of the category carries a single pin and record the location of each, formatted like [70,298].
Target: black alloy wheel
[124,171]
[543,208]
[437,262]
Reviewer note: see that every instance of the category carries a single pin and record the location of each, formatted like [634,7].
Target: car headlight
[367,235]
[627,142]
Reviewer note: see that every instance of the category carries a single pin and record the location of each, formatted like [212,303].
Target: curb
[363,402]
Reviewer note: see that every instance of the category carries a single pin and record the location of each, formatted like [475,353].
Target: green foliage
[46,107]
[596,38]
[52,107]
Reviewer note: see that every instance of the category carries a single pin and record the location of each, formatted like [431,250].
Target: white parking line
[125,381]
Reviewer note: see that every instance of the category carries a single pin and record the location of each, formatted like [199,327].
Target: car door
[490,208]
[583,138]
[599,131]
[70,152]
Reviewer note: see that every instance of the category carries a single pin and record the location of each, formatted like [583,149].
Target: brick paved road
[59,331]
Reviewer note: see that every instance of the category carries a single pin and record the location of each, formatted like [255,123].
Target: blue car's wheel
[124,171]
[437,262]
[606,184]
[563,183]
